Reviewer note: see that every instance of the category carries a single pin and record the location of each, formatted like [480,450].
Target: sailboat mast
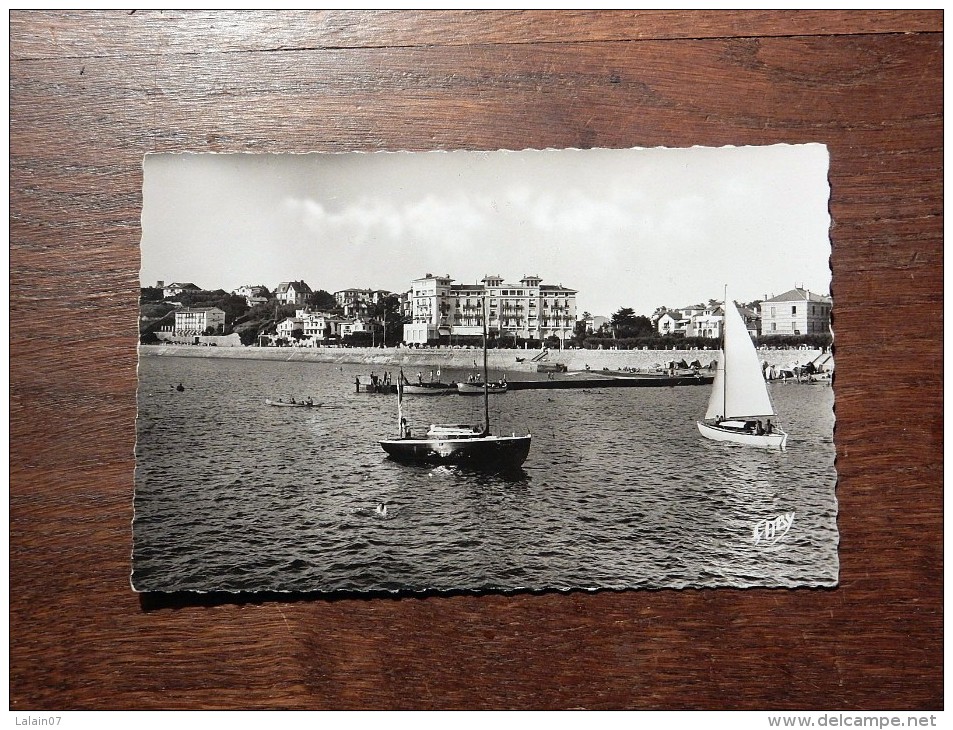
[486,378]
[724,356]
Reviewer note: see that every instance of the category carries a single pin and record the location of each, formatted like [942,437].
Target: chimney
[160,284]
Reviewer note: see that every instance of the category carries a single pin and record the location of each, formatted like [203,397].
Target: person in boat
[293,400]
[309,402]
[759,429]
[769,429]
[381,510]
[404,431]
[180,387]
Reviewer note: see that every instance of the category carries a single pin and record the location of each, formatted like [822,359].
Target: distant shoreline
[504,359]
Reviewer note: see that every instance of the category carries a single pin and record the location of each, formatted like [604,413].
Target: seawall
[644,360]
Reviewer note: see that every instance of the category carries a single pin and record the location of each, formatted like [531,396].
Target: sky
[639,228]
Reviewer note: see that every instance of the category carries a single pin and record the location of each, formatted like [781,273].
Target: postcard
[499,371]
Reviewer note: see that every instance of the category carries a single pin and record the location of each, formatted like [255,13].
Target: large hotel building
[441,310]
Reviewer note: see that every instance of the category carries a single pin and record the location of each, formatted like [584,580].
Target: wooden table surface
[91,92]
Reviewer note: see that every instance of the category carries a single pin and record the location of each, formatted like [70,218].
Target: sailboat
[470,446]
[740,409]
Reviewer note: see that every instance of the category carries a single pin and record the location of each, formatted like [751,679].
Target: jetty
[582,381]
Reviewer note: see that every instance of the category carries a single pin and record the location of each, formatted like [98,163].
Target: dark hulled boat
[474,449]
[471,447]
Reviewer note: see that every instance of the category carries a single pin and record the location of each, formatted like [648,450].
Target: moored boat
[428,388]
[468,446]
[477,388]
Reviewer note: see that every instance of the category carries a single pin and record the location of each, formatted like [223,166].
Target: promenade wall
[464,359]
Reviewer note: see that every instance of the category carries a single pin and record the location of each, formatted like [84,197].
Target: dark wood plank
[86,33]
[91,93]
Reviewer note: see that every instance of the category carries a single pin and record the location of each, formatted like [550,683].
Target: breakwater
[509,360]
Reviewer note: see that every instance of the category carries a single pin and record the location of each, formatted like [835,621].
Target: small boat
[473,447]
[740,409]
[431,388]
[291,404]
[477,388]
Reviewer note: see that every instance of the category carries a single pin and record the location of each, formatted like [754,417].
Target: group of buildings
[437,310]
[798,311]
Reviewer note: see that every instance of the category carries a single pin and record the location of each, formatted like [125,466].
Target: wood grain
[91,92]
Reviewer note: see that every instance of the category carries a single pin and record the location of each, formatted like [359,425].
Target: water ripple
[619,489]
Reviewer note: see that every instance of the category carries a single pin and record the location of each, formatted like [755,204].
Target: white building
[293,292]
[288,326]
[796,312]
[176,288]
[702,320]
[252,294]
[199,320]
[673,322]
[529,310]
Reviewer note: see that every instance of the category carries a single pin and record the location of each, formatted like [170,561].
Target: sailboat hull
[738,436]
[481,452]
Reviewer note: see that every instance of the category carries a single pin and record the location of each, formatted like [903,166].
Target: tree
[626,324]
[322,300]
[150,294]
[388,313]
[622,322]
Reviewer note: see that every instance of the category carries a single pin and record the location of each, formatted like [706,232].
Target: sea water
[619,490]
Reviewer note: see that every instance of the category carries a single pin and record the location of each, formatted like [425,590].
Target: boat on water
[292,404]
[473,447]
[740,409]
[476,388]
[434,388]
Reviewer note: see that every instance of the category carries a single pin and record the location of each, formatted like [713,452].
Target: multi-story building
[702,320]
[293,292]
[673,322]
[698,320]
[796,312]
[529,310]
[359,301]
[288,326]
[362,325]
[199,320]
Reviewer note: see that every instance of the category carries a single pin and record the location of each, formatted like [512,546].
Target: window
[794,309]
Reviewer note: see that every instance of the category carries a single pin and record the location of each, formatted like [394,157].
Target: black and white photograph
[416,372]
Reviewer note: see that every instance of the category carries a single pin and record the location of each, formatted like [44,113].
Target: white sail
[739,389]
[716,403]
